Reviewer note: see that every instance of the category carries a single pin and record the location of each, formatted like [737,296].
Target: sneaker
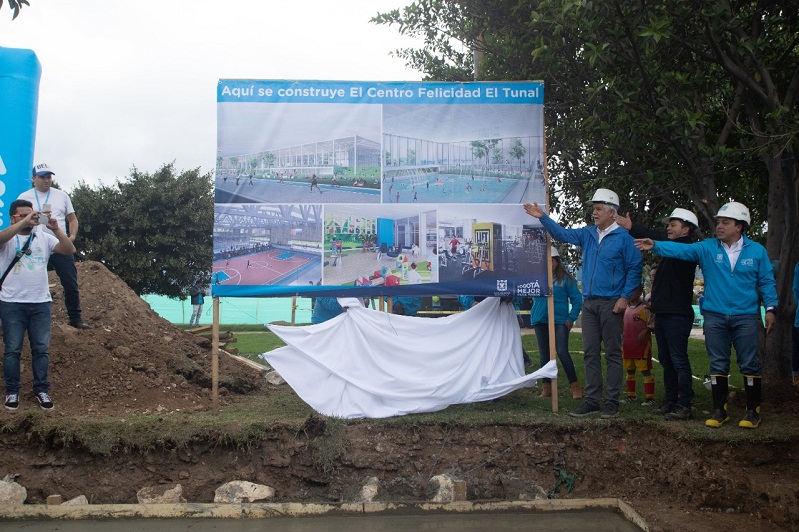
[45,403]
[680,413]
[79,324]
[648,402]
[585,409]
[664,408]
[12,401]
[609,412]
[628,401]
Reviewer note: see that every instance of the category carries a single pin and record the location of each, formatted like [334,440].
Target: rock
[54,499]
[80,500]
[123,351]
[165,494]
[521,489]
[448,489]
[11,492]
[273,377]
[370,490]
[237,491]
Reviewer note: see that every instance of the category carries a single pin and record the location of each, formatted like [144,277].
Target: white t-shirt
[27,281]
[60,205]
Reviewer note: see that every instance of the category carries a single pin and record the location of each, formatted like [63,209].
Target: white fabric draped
[366,363]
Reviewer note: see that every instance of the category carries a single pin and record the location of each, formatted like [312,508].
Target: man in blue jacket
[611,273]
[737,274]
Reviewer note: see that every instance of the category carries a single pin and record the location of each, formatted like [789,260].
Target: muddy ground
[133,362]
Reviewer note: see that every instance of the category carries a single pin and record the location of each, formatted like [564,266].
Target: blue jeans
[723,332]
[64,266]
[17,318]
[672,332]
[561,347]
[602,326]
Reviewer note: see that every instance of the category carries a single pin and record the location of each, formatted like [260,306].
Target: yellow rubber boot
[719,389]
[752,418]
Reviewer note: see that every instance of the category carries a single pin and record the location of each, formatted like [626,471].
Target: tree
[479,149]
[517,151]
[16,5]
[152,230]
[269,159]
[670,103]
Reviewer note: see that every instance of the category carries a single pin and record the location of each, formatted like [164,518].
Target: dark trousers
[672,332]
[64,266]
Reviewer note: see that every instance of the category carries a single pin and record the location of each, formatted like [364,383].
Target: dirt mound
[131,359]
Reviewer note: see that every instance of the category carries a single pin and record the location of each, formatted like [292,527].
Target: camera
[43,218]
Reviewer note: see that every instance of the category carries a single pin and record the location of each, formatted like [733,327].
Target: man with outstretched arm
[611,272]
[737,274]
[25,297]
[672,304]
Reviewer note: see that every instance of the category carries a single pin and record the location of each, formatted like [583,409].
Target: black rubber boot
[752,384]
[720,385]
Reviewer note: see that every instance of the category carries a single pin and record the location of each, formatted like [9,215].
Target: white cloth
[60,205]
[27,281]
[366,363]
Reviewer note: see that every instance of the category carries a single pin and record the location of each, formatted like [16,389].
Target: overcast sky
[134,83]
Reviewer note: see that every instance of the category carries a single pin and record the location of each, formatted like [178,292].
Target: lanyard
[46,198]
[25,249]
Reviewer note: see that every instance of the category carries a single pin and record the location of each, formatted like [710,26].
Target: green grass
[246,420]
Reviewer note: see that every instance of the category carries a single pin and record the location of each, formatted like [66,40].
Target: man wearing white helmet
[737,274]
[611,273]
[672,304]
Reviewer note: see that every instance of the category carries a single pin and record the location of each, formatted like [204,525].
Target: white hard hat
[604,195]
[553,252]
[684,215]
[736,211]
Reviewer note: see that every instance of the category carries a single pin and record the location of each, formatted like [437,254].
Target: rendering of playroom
[501,243]
[463,154]
[379,245]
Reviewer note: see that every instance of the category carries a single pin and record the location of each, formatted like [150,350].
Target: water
[233,310]
[454,188]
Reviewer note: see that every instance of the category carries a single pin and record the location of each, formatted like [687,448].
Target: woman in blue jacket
[568,302]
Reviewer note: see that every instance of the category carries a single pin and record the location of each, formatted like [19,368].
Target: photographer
[25,299]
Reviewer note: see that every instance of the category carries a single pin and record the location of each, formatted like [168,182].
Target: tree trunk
[783,246]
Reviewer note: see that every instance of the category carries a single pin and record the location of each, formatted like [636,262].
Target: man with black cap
[56,203]
[611,274]
[672,304]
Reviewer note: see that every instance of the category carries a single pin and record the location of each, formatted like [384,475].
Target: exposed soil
[132,361]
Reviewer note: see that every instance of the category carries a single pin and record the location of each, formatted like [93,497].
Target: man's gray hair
[607,207]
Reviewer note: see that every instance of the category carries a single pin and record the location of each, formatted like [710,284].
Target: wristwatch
[773,310]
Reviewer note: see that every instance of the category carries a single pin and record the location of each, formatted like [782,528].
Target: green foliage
[669,103]
[152,230]
[15,5]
